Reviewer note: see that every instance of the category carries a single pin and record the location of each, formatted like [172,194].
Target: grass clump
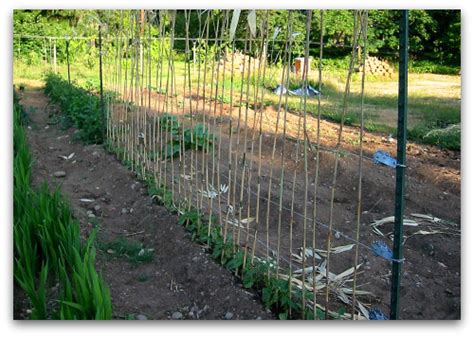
[448,138]
[133,251]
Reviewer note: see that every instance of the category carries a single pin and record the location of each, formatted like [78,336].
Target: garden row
[52,265]
[286,301]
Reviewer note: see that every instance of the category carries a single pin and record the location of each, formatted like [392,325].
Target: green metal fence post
[401,159]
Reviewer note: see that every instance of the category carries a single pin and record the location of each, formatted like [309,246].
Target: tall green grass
[48,247]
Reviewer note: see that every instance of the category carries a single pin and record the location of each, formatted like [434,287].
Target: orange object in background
[299,65]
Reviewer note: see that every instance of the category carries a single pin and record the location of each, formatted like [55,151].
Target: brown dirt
[182,277]
[431,273]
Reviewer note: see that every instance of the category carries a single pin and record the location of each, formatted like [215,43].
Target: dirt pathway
[182,281]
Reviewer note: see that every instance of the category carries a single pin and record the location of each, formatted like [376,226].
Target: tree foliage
[435,35]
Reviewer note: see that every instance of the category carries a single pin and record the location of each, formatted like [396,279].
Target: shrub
[78,104]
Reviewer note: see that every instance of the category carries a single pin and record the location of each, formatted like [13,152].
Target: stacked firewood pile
[377,67]
[241,62]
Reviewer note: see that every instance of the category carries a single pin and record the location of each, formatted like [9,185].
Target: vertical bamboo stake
[230,207]
[204,182]
[283,138]
[270,179]
[102,107]
[171,70]
[305,129]
[192,181]
[246,162]
[364,19]
[161,110]
[208,141]
[316,176]
[54,57]
[50,56]
[263,58]
[217,130]
[67,59]
[257,118]
[338,145]
[237,240]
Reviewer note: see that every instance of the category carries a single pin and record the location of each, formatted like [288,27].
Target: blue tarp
[376,314]
[310,91]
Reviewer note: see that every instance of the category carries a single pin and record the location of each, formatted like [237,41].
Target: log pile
[241,62]
[377,67]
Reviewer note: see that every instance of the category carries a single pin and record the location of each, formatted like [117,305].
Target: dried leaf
[247,220]
[252,20]
[233,23]
[346,273]
[363,310]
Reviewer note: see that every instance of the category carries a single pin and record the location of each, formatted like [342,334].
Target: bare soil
[430,286]
[431,272]
[181,278]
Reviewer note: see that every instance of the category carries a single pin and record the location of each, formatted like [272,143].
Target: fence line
[211,152]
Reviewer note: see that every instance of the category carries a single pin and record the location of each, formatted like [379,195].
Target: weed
[133,251]
[143,278]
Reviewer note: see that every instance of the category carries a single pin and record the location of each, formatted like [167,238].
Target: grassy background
[434,100]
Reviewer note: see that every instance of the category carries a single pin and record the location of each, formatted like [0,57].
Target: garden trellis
[190,115]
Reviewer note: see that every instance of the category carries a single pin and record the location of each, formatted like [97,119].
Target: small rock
[177,315]
[228,316]
[90,214]
[141,317]
[337,235]
[195,259]
[191,315]
[124,210]
[95,153]
[59,174]
[97,208]
[259,318]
